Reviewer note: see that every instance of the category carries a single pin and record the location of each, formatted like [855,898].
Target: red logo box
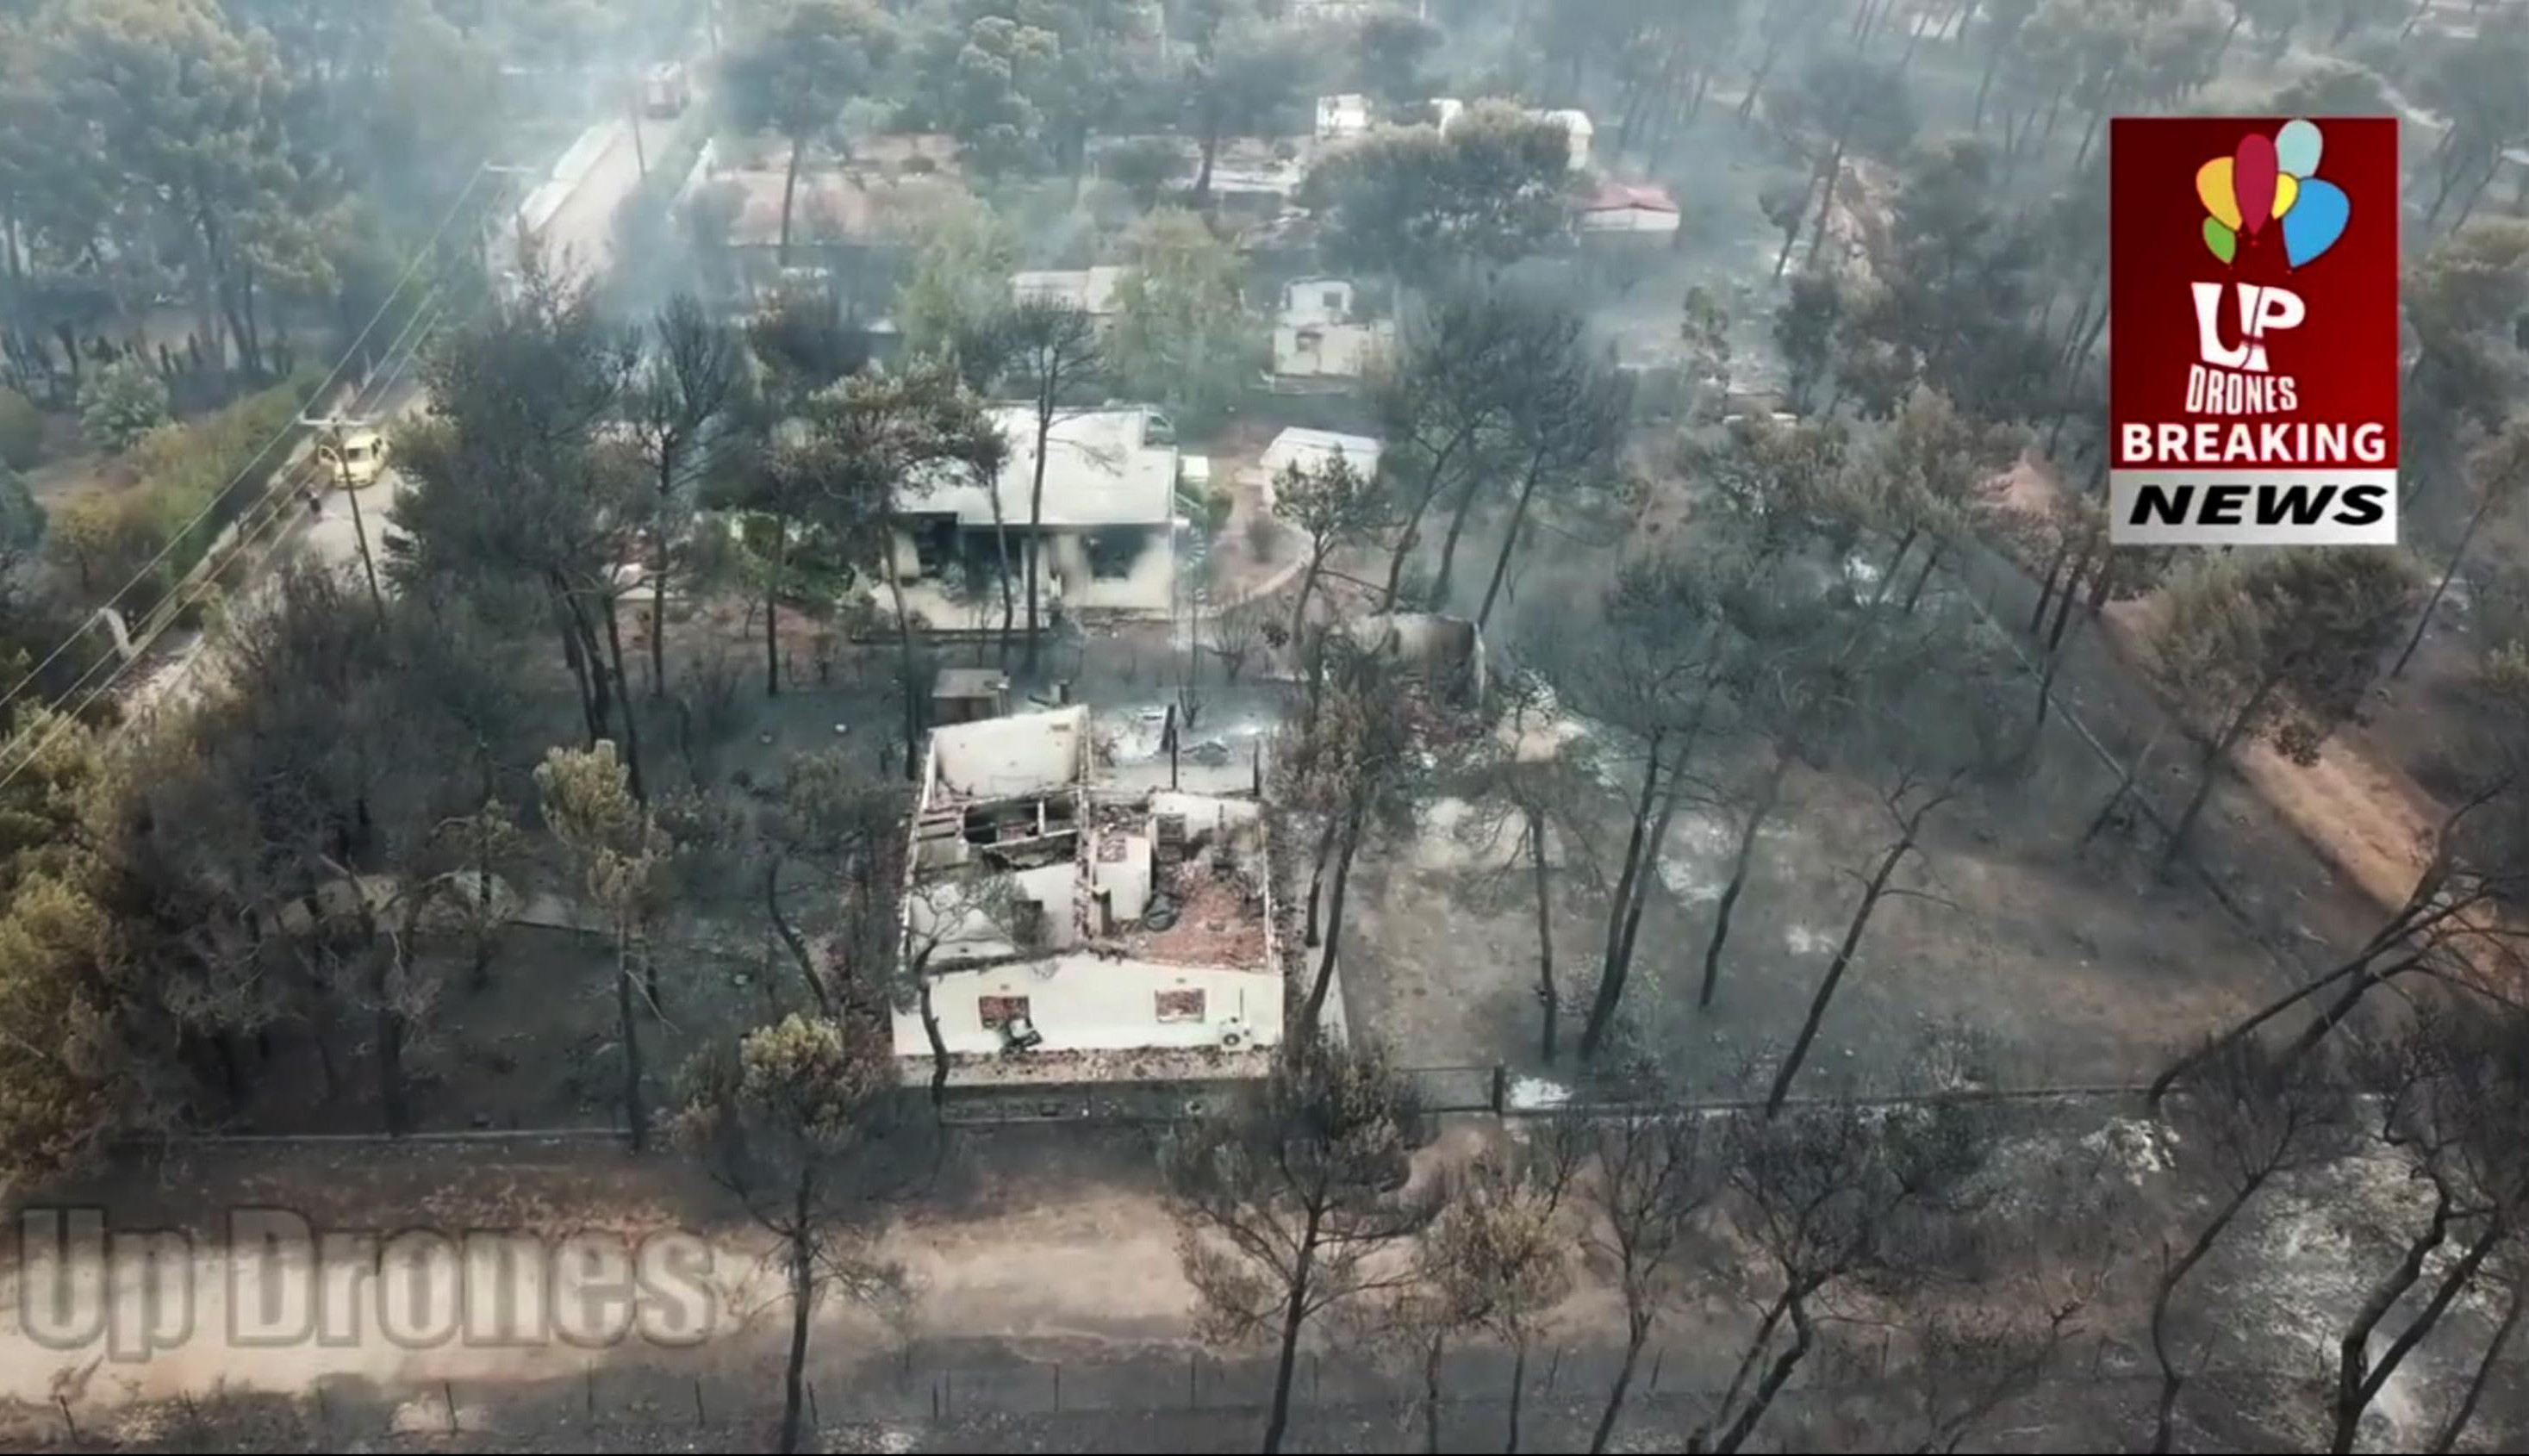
[2252,385]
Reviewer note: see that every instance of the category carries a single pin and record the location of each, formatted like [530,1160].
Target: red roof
[1615,196]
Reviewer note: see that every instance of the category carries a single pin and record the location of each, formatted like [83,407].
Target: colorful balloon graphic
[2268,179]
[2316,223]
[2252,180]
[2223,243]
[2297,148]
[2213,186]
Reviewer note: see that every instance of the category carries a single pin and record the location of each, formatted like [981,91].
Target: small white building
[1629,207]
[1107,541]
[1578,130]
[1341,117]
[1308,450]
[1318,345]
[1092,291]
[1062,932]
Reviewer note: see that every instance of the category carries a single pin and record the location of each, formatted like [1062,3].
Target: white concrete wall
[1065,577]
[1126,881]
[1205,814]
[1151,588]
[972,934]
[1026,754]
[1082,1002]
[1629,220]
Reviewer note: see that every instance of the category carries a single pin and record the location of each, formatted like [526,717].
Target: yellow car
[353,459]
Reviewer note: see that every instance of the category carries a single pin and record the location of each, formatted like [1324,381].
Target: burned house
[1445,654]
[1321,345]
[1090,290]
[1106,543]
[1309,451]
[1059,930]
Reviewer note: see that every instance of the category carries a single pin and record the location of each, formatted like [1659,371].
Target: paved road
[581,234]
[580,230]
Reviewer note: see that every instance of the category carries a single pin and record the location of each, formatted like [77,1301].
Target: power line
[420,256]
[278,517]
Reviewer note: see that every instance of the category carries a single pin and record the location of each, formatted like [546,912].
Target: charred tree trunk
[1549,999]
[1624,890]
[789,193]
[1317,875]
[1334,922]
[1871,894]
[2432,602]
[2355,1379]
[1036,520]
[1295,1312]
[1761,809]
[2171,1380]
[798,947]
[1776,1377]
[2217,755]
[2495,1346]
[803,1298]
[631,714]
[1509,545]
[772,608]
[1636,1334]
[636,1115]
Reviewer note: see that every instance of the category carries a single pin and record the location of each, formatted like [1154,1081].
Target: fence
[1863,1393]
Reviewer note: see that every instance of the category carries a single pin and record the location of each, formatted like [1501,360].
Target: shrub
[21,430]
[121,402]
[1217,508]
[1264,535]
[21,521]
[91,536]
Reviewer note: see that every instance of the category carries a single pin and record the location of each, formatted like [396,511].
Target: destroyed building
[1064,931]
[1107,539]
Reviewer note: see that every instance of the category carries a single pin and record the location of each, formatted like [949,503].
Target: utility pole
[640,154]
[359,528]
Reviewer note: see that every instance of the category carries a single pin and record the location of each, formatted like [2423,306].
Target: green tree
[2279,645]
[68,1076]
[191,116]
[1181,337]
[2497,471]
[1282,1202]
[1565,427]
[868,448]
[1352,765]
[1422,204]
[1338,505]
[2465,300]
[797,75]
[505,489]
[1049,349]
[1247,81]
[22,428]
[2477,85]
[121,402]
[22,520]
[1844,102]
[1443,412]
[1389,55]
[798,1122]
[679,402]
[619,851]
[958,285]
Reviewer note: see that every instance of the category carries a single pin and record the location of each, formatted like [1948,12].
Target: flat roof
[1089,290]
[1100,470]
[995,758]
[1310,448]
